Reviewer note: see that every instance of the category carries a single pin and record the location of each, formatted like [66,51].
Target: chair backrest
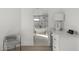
[11,37]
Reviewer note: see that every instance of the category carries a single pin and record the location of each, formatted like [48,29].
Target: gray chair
[10,42]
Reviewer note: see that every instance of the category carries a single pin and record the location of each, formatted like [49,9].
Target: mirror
[41,30]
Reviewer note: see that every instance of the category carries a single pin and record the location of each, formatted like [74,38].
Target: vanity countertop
[64,34]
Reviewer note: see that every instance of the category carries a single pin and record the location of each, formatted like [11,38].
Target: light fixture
[36,19]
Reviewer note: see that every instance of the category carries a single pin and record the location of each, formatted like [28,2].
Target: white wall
[72,18]
[9,23]
[72,21]
[26,27]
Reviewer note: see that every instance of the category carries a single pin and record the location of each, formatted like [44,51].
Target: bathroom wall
[72,22]
[72,18]
[26,27]
[9,23]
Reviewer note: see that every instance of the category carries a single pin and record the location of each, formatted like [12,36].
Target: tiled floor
[32,48]
[36,48]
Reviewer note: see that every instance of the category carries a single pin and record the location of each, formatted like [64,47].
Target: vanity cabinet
[62,41]
[55,40]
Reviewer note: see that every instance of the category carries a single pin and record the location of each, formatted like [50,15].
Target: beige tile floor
[32,48]
[36,48]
